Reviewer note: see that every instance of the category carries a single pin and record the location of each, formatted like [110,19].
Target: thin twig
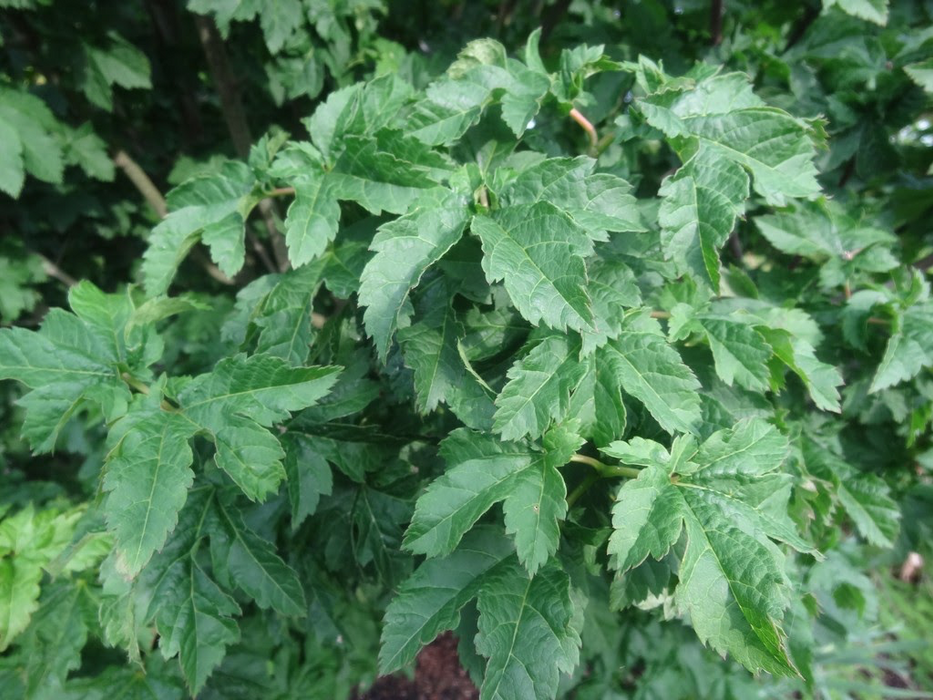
[281,192]
[142,182]
[588,128]
[53,270]
[660,314]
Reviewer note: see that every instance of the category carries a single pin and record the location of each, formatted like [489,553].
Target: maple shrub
[616,367]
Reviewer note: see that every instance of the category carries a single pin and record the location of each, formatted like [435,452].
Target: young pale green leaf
[29,540]
[484,471]
[405,248]
[430,600]
[539,389]
[525,632]
[252,565]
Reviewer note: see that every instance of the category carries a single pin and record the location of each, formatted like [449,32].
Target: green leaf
[652,371]
[864,496]
[405,249]
[483,471]
[237,403]
[88,151]
[820,231]
[284,314]
[921,73]
[430,600]
[739,351]
[539,389]
[647,518]
[19,275]
[147,480]
[212,208]
[190,611]
[118,63]
[279,20]
[598,202]
[820,378]
[65,363]
[29,540]
[525,632]
[871,10]
[309,477]
[614,290]
[252,564]
[730,501]
[12,170]
[312,219]
[909,348]
[430,350]
[597,400]
[721,116]
[538,251]
[29,125]
[698,212]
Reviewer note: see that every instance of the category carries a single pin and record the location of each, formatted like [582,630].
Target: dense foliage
[598,333]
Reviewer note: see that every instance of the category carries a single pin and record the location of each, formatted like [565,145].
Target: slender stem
[606,470]
[135,383]
[588,128]
[281,192]
[582,488]
[142,182]
[660,314]
[53,270]
[583,459]
[878,321]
